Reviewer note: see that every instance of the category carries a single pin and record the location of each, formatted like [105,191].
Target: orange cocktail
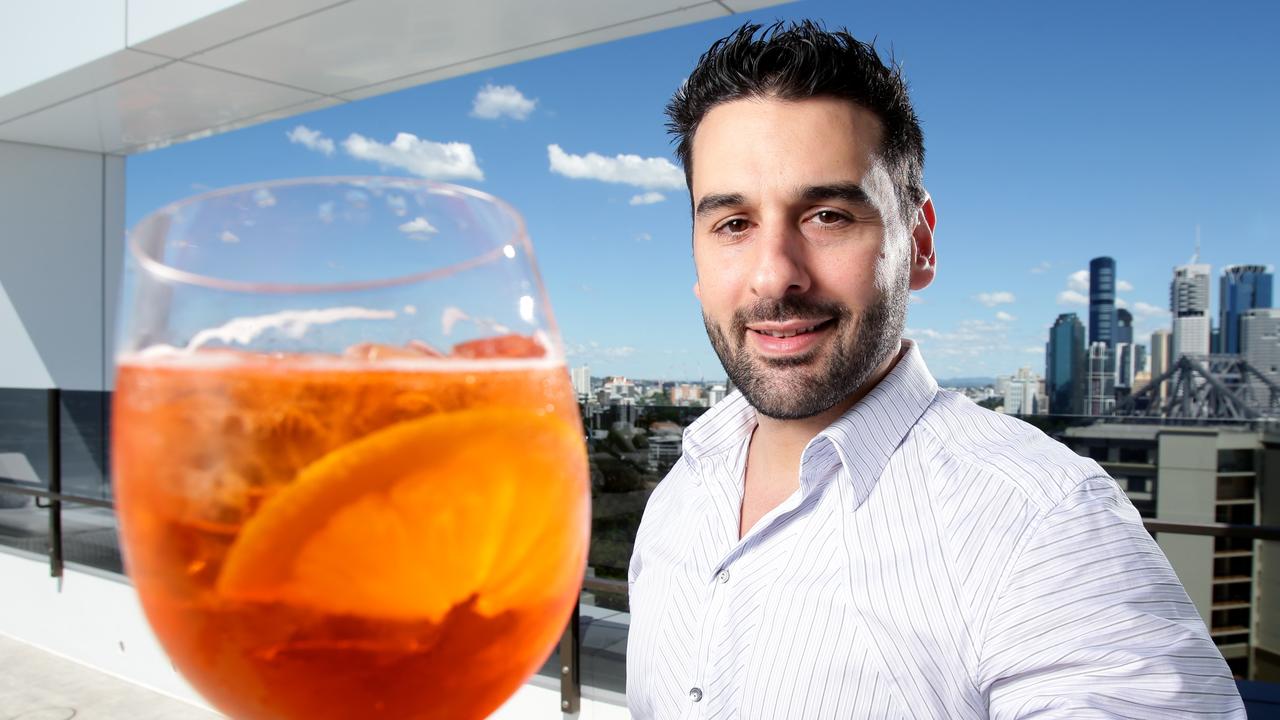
[352,537]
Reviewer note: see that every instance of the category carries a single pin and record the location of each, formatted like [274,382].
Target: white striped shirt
[937,561]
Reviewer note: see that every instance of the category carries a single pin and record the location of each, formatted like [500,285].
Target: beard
[799,387]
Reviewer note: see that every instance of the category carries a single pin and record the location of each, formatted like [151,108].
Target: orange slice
[412,520]
[502,346]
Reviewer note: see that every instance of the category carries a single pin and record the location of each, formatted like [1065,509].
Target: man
[841,538]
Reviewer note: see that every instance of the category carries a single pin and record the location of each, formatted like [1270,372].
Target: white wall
[60,245]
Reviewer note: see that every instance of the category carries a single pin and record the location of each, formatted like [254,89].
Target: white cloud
[495,101]
[648,198]
[263,198]
[917,333]
[978,341]
[1124,286]
[325,212]
[1003,316]
[1148,310]
[1121,303]
[593,349]
[993,299]
[424,158]
[418,228]
[648,173]
[310,139]
[1041,268]
[644,237]
[1078,281]
[1071,297]
[229,237]
[1038,350]
[915,299]
[397,205]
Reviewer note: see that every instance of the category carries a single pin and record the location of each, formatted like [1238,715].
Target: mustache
[786,308]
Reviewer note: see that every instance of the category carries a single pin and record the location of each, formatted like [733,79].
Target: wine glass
[347,455]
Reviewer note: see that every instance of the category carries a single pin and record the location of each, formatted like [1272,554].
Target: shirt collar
[867,435]
[864,437]
[724,427]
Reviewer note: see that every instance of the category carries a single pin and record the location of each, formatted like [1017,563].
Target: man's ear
[924,255]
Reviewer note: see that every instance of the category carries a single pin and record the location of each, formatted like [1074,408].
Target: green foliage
[619,442]
[618,475]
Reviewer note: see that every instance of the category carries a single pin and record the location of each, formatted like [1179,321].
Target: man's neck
[778,444]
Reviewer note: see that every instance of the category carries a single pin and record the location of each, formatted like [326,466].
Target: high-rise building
[685,394]
[1243,287]
[1100,380]
[1161,349]
[1064,365]
[1124,327]
[1205,474]
[1260,346]
[582,381]
[1126,366]
[617,386]
[1189,302]
[1102,300]
[1022,393]
[715,394]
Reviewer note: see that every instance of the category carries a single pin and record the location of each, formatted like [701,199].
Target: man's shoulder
[1004,449]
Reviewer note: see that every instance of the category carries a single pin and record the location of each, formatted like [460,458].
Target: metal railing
[570,647]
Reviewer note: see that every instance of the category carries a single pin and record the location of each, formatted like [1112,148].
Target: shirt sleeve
[1092,623]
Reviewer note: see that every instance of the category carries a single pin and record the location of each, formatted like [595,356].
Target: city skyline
[1041,155]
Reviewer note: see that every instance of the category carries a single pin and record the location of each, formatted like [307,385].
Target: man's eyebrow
[848,192]
[711,203]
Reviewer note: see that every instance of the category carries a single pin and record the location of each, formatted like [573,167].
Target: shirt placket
[714,621]
[714,625]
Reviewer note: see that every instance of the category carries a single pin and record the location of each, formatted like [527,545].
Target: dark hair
[801,61]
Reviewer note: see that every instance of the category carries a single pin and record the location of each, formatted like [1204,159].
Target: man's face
[803,263]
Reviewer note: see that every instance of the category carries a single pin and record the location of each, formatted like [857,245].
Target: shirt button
[723,577]
[695,694]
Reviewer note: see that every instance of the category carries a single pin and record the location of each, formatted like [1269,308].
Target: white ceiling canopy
[120,77]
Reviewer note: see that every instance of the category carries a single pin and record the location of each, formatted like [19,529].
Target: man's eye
[829,217]
[734,226]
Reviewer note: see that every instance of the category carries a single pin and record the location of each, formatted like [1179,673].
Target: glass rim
[168,272]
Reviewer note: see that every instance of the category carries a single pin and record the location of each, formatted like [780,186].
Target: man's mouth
[791,338]
[788,329]
[790,333]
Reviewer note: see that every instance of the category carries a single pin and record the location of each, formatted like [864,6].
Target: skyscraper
[1124,327]
[1161,350]
[1100,380]
[1189,302]
[1125,353]
[582,382]
[1064,366]
[1260,346]
[1126,367]
[1243,287]
[1022,393]
[1102,300]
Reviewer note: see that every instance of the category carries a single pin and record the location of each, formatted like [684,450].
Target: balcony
[56,508]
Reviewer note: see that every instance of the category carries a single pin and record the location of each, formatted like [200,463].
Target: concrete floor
[37,685]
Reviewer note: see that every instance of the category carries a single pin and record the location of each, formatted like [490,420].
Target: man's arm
[1091,622]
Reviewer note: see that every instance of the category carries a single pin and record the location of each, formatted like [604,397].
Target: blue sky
[1054,133]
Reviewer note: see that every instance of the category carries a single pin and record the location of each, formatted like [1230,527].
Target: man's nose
[780,266]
